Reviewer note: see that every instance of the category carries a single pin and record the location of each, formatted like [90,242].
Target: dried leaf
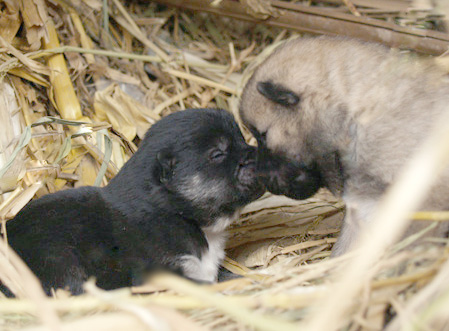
[30,76]
[261,9]
[31,64]
[35,18]
[20,201]
[10,19]
[124,113]
[87,171]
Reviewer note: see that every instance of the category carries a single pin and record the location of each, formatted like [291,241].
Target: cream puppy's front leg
[359,212]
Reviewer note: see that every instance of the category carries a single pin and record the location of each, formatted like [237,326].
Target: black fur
[278,93]
[283,176]
[142,220]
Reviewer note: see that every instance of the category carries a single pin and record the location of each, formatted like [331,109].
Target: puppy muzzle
[247,175]
[283,176]
[247,172]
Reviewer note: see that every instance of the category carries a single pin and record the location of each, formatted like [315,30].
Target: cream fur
[371,105]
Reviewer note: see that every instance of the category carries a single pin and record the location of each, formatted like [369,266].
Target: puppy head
[269,111]
[294,108]
[204,164]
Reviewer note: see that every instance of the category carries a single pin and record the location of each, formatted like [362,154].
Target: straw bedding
[79,87]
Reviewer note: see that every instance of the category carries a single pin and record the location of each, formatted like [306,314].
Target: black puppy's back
[67,237]
[63,237]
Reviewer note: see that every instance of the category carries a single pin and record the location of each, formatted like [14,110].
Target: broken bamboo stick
[324,21]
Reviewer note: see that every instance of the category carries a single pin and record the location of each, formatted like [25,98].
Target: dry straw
[120,68]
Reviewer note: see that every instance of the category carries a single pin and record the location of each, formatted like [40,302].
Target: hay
[80,86]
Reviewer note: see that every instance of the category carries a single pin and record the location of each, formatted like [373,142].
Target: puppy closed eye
[217,155]
[278,93]
[220,150]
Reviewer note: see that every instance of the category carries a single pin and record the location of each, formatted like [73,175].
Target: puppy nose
[249,164]
[250,158]
[246,170]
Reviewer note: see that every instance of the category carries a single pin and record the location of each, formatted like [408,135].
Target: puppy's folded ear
[166,162]
[278,93]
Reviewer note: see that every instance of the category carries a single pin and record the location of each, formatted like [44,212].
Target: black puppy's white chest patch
[205,267]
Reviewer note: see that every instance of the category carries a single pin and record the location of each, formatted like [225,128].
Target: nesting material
[81,81]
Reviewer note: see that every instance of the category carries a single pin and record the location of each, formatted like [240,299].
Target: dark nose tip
[249,160]
[248,165]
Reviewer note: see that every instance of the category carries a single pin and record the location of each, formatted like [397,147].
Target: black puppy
[167,209]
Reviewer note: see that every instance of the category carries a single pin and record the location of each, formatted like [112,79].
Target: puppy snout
[247,168]
[301,177]
[282,175]
[249,163]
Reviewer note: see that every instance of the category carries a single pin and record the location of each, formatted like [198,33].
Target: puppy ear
[166,162]
[277,93]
